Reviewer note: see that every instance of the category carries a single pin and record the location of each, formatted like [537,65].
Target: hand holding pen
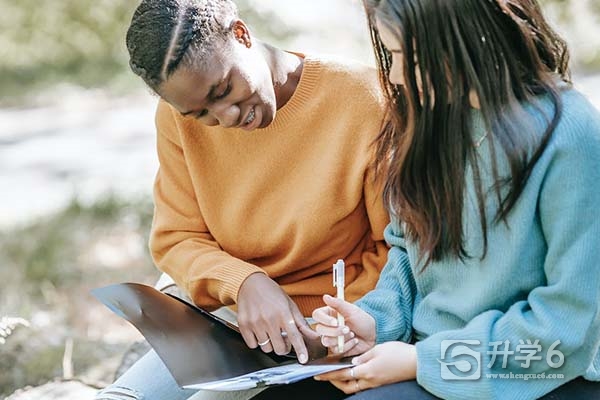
[344,327]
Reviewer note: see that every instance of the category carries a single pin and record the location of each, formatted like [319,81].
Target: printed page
[282,374]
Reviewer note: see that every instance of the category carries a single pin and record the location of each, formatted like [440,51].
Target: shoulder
[579,125]
[574,147]
[171,125]
[577,109]
[165,117]
[349,76]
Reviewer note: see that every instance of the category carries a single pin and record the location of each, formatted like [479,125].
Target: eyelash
[225,92]
[219,97]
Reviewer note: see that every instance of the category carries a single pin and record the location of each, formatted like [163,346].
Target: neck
[286,69]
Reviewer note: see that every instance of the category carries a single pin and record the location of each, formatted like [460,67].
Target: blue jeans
[147,379]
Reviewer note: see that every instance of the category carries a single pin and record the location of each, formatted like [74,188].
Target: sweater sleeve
[561,316]
[391,302]
[180,242]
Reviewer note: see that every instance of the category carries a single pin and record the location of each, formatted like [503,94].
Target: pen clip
[338,274]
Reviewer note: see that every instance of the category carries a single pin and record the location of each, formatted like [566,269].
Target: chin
[267,120]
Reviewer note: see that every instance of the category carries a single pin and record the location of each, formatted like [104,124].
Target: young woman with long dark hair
[492,166]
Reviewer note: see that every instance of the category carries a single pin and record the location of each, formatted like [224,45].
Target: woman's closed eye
[201,114]
[215,97]
[224,93]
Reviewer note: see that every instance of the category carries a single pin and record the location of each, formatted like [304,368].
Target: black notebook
[203,351]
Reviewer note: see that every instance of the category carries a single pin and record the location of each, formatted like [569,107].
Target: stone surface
[56,390]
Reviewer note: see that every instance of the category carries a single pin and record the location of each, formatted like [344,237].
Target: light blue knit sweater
[540,279]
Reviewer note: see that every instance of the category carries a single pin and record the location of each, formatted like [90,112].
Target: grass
[48,269]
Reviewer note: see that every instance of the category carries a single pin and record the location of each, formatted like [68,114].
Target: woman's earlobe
[242,35]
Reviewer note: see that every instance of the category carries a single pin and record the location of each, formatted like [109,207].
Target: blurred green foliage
[81,42]
[44,42]
[48,268]
[57,252]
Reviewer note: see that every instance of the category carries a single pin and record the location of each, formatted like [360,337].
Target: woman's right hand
[269,318]
[359,330]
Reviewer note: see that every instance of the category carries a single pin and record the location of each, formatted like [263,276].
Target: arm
[565,309]
[180,242]
[391,302]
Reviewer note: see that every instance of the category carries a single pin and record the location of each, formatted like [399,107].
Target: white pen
[339,269]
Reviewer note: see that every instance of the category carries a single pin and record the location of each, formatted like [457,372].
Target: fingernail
[352,335]
[317,378]
[333,322]
[355,341]
[302,358]
[345,330]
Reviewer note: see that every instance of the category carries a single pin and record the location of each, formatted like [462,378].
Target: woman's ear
[241,33]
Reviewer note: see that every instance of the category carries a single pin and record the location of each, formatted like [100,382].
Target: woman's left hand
[385,363]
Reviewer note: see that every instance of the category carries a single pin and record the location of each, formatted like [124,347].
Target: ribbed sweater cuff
[232,275]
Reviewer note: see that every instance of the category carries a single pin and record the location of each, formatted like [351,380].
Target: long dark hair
[166,34]
[502,50]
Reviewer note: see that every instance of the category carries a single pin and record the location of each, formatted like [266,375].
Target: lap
[410,390]
[576,389]
[306,389]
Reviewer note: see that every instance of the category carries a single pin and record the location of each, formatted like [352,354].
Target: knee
[118,393]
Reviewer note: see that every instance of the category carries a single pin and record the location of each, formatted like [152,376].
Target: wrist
[251,281]
[371,339]
[412,361]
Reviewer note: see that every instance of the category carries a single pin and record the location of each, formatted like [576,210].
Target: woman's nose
[228,115]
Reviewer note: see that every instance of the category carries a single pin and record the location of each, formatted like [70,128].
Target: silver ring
[265,342]
[352,373]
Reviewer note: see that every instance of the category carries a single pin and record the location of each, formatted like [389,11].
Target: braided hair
[165,34]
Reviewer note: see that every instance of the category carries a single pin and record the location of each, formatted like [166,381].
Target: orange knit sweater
[287,200]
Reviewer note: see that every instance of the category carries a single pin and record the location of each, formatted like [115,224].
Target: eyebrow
[210,94]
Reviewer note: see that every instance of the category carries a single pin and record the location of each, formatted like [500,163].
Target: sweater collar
[311,72]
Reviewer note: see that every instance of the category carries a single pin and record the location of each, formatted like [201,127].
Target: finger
[337,375]
[348,346]
[323,315]
[364,358]
[341,306]
[248,336]
[306,330]
[330,341]
[327,317]
[266,344]
[331,331]
[295,337]
[281,345]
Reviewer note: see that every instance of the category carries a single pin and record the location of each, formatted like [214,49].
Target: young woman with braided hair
[265,176]
[492,285]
